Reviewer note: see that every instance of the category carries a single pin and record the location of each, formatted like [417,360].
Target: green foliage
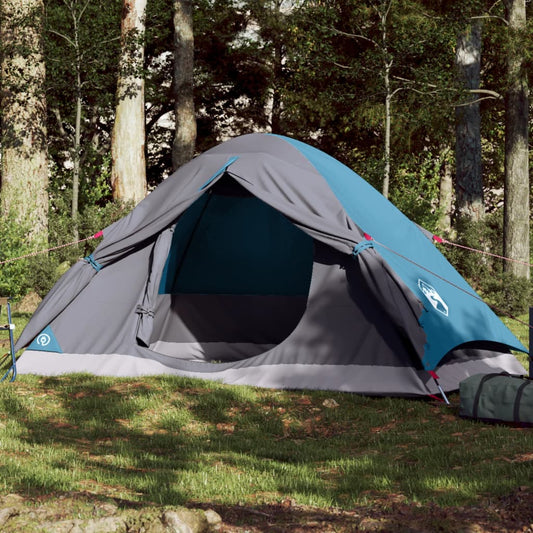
[507,294]
[323,59]
[39,273]
[334,91]
[415,188]
[82,45]
[484,235]
[15,244]
[81,39]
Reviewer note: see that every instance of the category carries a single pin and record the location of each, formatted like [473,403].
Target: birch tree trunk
[185,117]
[77,127]
[387,65]
[277,107]
[469,178]
[516,199]
[128,172]
[24,167]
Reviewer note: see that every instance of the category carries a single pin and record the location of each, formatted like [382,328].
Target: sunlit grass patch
[172,440]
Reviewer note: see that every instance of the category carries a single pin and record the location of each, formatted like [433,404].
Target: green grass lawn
[168,440]
[173,440]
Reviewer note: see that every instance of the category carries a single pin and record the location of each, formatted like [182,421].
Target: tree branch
[62,131]
[69,41]
[353,36]
[476,101]
[491,94]
[491,17]
[347,67]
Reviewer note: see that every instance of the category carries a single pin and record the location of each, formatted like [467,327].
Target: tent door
[236,279]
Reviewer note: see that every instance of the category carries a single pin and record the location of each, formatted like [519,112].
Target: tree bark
[387,66]
[77,128]
[185,117]
[446,193]
[516,198]
[128,172]
[24,167]
[469,178]
[277,107]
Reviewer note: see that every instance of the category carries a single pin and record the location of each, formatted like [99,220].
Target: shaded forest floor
[509,514]
[55,512]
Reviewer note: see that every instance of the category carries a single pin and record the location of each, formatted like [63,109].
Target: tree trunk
[275,121]
[128,172]
[185,134]
[77,130]
[387,140]
[446,194]
[469,178]
[516,199]
[24,167]
[387,65]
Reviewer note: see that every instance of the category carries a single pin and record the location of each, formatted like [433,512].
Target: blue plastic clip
[94,263]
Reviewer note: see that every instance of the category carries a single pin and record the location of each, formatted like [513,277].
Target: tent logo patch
[433,297]
[45,342]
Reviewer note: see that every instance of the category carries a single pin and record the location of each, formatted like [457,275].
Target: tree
[361,84]
[516,199]
[24,176]
[79,51]
[271,21]
[128,172]
[469,182]
[229,78]
[184,111]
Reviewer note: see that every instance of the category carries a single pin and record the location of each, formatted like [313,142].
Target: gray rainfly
[266,262]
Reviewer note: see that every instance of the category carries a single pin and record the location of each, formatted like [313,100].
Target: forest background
[427,100]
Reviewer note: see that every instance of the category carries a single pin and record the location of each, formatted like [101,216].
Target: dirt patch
[87,512]
[511,514]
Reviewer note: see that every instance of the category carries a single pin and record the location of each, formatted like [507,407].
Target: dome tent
[266,262]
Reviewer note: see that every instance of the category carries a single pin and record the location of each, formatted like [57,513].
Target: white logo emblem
[433,297]
[43,339]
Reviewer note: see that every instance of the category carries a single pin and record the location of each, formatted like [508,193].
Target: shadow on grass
[177,441]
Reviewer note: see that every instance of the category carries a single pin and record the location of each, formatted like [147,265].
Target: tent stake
[433,374]
[443,394]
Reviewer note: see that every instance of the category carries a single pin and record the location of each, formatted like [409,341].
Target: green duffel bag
[497,398]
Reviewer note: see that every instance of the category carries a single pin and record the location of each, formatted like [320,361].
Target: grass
[169,440]
[174,440]
[519,326]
